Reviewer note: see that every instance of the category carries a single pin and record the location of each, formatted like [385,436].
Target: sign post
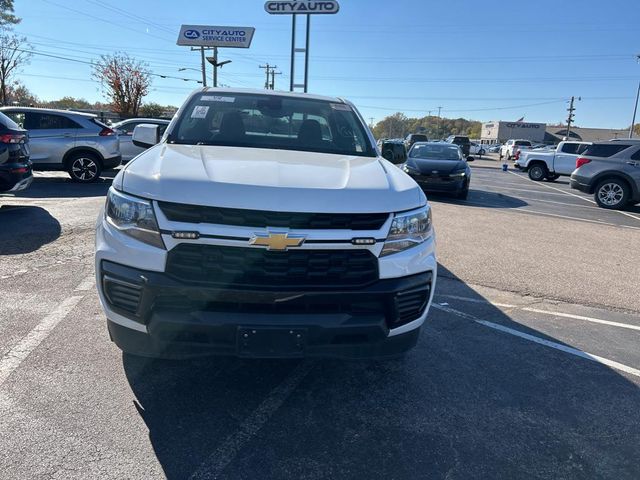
[211,37]
[301,7]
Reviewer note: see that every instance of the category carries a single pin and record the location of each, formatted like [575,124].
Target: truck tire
[538,171]
[611,193]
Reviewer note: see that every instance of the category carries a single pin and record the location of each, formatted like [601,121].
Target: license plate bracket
[271,342]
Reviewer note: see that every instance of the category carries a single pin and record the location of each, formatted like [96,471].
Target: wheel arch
[75,150]
[613,174]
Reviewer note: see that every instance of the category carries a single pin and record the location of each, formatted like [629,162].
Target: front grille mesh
[237,266]
[123,295]
[411,304]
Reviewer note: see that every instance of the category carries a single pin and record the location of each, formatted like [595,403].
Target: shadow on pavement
[61,186]
[24,229]
[467,402]
[479,198]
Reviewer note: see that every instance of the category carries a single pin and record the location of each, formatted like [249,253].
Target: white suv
[264,225]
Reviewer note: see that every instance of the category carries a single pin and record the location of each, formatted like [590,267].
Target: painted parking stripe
[16,355]
[567,217]
[215,464]
[541,341]
[577,196]
[544,312]
[582,317]
[87,284]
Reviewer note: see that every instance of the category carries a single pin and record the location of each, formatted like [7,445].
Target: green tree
[6,13]
[152,110]
[70,103]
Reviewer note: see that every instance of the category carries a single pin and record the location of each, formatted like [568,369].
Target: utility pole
[635,108]
[268,69]
[439,122]
[571,109]
[214,61]
[273,77]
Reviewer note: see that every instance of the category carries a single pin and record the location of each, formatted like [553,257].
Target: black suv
[15,167]
[413,138]
[393,150]
[463,142]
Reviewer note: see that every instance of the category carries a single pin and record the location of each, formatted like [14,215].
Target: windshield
[271,121]
[435,152]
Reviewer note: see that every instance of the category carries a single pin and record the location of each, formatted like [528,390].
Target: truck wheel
[611,193]
[84,167]
[537,172]
[552,177]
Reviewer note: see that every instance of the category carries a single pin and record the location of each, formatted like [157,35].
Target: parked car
[509,149]
[550,164]
[439,167]
[393,150]
[463,142]
[264,225]
[64,140]
[15,167]
[125,131]
[413,138]
[611,172]
[477,149]
[494,148]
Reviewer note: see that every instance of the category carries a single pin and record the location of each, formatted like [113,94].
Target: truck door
[565,160]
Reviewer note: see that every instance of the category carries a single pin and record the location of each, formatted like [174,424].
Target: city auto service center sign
[282,7]
[212,36]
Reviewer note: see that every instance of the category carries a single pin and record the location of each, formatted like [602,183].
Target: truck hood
[269,179]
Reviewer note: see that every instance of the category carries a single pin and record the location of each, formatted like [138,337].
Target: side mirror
[470,159]
[145,135]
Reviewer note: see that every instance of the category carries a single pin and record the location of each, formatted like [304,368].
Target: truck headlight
[133,216]
[408,230]
[459,174]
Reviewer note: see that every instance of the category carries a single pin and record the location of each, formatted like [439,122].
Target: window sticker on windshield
[341,106]
[217,98]
[200,111]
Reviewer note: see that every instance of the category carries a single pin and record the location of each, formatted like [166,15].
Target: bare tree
[125,81]
[14,53]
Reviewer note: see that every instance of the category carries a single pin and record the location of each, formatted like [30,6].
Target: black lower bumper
[184,320]
[15,177]
[582,186]
[112,162]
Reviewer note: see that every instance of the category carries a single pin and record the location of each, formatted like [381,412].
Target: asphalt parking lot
[528,365]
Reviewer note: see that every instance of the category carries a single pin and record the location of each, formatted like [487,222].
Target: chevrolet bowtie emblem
[277,241]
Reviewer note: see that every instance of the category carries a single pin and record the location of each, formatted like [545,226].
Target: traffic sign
[286,7]
[215,36]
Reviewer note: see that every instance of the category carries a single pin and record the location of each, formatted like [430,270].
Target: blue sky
[485,60]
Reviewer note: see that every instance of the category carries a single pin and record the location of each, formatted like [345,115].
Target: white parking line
[541,341]
[213,466]
[582,317]
[574,195]
[16,355]
[567,217]
[545,312]
[524,190]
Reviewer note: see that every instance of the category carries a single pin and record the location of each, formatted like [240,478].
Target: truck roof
[255,91]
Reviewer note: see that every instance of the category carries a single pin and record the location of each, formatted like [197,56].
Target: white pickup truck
[509,149]
[264,224]
[551,164]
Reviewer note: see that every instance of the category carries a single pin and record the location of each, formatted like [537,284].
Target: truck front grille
[177,212]
[237,266]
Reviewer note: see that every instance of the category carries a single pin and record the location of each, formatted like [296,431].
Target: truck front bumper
[181,320]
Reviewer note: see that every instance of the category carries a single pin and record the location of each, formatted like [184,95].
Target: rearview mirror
[145,135]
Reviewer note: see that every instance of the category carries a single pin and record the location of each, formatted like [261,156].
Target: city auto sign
[215,36]
[282,7]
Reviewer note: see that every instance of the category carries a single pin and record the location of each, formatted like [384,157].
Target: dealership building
[500,132]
